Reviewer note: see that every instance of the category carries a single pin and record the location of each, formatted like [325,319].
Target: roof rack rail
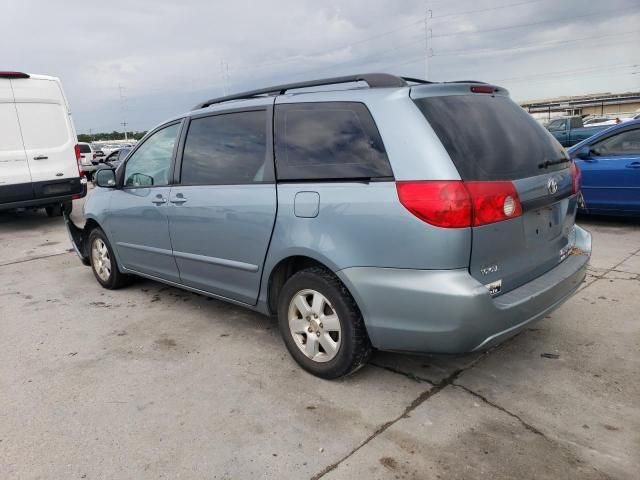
[374,80]
[467,81]
[415,80]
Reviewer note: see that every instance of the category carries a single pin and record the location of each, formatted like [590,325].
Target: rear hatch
[496,145]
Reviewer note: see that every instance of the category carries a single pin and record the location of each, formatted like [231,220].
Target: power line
[509,27]
[480,10]
[448,53]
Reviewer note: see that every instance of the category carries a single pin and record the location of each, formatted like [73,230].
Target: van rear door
[47,131]
[15,178]
[495,144]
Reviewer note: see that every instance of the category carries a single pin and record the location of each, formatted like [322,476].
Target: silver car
[375,212]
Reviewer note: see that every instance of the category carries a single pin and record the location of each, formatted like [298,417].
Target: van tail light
[458,204]
[94,156]
[576,178]
[493,202]
[80,170]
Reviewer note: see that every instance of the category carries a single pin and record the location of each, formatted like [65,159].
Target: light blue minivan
[369,211]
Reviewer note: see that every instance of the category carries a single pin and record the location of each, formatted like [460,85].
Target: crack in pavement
[30,259]
[434,389]
[40,257]
[612,269]
[526,425]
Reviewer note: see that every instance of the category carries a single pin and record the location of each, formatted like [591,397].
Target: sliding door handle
[40,157]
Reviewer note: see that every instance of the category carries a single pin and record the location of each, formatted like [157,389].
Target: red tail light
[441,203]
[80,170]
[576,178]
[14,75]
[458,204]
[493,201]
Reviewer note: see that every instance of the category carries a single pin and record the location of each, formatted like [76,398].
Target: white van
[39,152]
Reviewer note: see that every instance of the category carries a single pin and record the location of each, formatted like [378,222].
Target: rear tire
[54,210]
[321,325]
[103,262]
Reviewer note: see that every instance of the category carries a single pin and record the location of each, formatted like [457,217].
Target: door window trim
[120,171]
[269,173]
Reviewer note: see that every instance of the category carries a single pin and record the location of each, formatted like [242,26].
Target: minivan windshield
[491,137]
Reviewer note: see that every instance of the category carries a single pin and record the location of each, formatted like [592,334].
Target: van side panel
[15,178]
[48,135]
[362,224]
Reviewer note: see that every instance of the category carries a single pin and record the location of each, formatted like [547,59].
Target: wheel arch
[283,270]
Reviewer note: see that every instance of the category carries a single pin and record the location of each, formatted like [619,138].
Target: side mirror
[584,153]
[106,178]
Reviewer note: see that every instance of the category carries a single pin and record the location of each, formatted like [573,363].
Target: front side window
[556,125]
[328,141]
[226,149]
[623,143]
[150,165]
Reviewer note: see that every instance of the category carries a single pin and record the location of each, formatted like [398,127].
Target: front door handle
[40,157]
[159,200]
[633,165]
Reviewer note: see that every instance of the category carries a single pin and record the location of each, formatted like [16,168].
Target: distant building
[605,104]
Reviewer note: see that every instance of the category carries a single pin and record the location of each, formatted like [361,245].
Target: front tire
[321,324]
[103,262]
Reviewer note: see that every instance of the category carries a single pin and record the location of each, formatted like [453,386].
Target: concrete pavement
[154,382]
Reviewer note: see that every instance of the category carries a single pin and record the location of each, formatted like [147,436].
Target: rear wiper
[548,163]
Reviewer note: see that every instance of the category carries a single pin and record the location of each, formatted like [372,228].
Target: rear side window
[84,148]
[226,149]
[328,141]
[491,137]
[44,125]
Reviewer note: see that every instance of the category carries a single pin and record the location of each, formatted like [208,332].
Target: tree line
[97,137]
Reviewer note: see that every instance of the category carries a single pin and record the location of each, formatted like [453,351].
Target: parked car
[116,157]
[570,130]
[97,149]
[88,159]
[39,154]
[410,216]
[610,166]
[597,121]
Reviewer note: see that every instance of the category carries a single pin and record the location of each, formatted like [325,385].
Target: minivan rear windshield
[85,148]
[492,138]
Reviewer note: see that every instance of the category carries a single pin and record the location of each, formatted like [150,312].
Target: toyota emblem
[552,186]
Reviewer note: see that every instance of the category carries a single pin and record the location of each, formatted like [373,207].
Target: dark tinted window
[334,140]
[226,149]
[84,148]
[490,137]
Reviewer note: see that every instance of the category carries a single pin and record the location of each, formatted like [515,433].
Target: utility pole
[224,72]
[428,34]
[123,109]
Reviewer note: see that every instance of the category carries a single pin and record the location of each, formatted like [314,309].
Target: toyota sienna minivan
[371,211]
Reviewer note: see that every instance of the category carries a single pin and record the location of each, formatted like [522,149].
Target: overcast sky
[167,54]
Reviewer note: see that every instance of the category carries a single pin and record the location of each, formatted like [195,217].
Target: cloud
[167,55]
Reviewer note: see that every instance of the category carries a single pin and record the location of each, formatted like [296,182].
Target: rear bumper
[448,311]
[42,194]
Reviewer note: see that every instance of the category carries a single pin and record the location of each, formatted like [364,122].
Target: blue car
[610,166]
